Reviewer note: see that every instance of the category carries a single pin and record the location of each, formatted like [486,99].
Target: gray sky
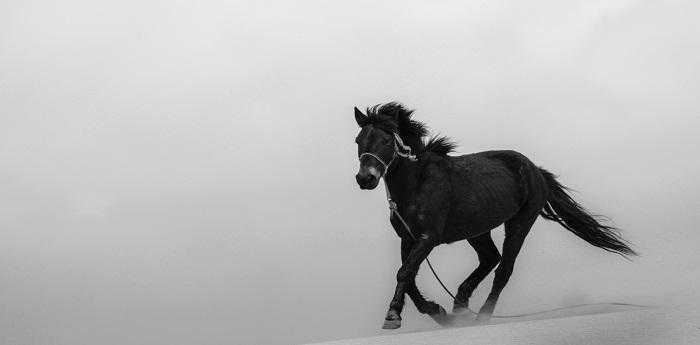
[182,172]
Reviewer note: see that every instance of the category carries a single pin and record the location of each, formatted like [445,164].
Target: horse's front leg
[426,212]
[405,278]
[424,306]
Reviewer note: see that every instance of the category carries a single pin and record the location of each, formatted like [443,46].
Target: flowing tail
[561,208]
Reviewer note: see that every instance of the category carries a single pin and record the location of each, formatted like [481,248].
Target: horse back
[488,188]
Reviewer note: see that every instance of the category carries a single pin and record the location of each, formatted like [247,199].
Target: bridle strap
[399,146]
[386,165]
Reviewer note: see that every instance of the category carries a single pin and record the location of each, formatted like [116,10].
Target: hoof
[485,312]
[441,317]
[441,312]
[391,324]
[392,320]
[460,308]
[483,317]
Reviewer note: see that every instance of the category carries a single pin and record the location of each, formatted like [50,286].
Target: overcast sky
[183,171]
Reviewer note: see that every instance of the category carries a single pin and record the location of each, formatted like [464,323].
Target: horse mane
[395,117]
[440,145]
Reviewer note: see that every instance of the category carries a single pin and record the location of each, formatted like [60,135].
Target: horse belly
[482,206]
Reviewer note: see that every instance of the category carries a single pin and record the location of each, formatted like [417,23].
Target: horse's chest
[400,228]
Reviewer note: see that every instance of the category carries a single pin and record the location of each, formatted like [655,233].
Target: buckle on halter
[392,205]
[402,149]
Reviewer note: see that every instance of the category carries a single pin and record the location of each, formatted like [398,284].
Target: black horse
[445,198]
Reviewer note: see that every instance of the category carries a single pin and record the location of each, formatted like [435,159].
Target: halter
[398,147]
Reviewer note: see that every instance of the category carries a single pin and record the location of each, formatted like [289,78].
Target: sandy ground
[587,325]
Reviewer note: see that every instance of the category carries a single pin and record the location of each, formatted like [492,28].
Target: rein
[394,210]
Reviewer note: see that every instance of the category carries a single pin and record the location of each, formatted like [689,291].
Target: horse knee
[404,275]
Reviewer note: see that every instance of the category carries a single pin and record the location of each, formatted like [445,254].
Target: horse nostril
[364,180]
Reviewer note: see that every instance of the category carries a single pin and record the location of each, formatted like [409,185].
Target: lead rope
[394,210]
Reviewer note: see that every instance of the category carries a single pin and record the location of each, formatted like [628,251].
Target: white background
[183,171]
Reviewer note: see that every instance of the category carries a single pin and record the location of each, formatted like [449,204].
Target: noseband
[398,147]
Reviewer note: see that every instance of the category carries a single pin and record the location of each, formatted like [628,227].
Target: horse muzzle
[367,181]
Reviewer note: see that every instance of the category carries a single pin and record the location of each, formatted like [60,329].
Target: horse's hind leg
[488,259]
[516,230]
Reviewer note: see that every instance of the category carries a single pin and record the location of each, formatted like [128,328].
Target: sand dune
[603,324]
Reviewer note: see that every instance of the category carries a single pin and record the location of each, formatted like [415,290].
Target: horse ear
[360,117]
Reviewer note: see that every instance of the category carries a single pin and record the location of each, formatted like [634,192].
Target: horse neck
[413,141]
[401,179]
